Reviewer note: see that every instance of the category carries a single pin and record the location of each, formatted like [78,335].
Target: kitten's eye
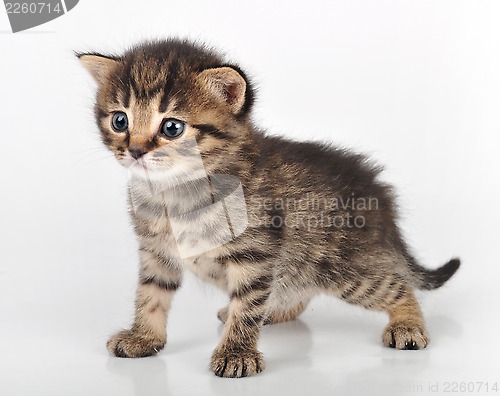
[120,121]
[172,128]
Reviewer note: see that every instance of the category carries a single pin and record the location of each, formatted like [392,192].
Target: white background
[415,84]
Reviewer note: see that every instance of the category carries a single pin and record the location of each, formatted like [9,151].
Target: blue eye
[172,128]
[120,121]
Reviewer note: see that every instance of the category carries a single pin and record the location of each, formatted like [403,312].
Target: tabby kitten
[302,218]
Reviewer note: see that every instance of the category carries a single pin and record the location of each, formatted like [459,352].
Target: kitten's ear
[99,66]
[228,85]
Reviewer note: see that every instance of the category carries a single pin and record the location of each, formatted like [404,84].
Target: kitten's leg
[406,329]
[159,279]
[237,354]
[274,317]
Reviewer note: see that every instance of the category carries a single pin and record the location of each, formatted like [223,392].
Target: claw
[393,341]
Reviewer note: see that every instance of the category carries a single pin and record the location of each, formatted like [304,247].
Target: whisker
[90,161]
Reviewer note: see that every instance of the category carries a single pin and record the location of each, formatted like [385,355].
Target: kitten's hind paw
[236,364]
[131,344]
[404,336]
[223,314]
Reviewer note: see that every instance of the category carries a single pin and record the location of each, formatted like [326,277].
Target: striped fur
[272,270]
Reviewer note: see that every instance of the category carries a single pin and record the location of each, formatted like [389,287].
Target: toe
[129,344]
[237,365]
[404,337]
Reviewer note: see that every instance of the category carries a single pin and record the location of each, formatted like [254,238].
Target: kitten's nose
[136,152]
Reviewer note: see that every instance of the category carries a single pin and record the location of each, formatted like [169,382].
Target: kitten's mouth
[145,170]
[140,167]
[141,164]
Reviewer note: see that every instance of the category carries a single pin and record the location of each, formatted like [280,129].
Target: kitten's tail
[433,279]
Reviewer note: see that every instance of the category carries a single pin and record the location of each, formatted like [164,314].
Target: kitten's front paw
[130,344]
[236,364]
[404,336]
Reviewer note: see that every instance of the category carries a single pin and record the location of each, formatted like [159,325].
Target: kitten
[270,221]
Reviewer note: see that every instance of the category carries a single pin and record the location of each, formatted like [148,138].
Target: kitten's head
[162,103]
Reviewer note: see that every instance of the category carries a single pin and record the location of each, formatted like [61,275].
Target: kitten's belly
[207,269]
[283,297]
